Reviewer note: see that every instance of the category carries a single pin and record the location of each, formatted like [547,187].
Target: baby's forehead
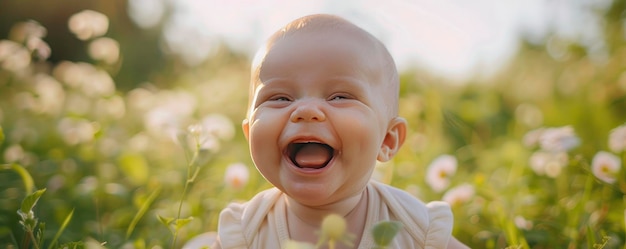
[351,48]
[329,50]
[323,25]
[332,32]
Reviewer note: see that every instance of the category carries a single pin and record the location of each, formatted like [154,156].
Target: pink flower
[548,163]
[617,139]
[440,171]
[523,223]
[236,175]
[13,56]
[559,139]
[104,49]
[210,131]
[605,166]
[459,194]
[219,126]
[21,32]
[531,138]
[88,24]
[76,130]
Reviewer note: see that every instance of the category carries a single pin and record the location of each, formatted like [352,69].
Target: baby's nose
[308,111]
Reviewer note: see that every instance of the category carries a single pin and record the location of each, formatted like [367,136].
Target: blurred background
[128,113]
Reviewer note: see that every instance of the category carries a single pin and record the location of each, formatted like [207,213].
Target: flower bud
[334,227]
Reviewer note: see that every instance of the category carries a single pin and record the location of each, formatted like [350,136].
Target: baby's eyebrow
[353,84]
[271,85]
[273,80]
[350,82]
[347,80]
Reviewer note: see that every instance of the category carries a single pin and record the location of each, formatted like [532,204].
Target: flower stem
[188,181]
[624,198]
[32,237]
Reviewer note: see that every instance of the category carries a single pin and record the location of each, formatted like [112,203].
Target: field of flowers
[532,158]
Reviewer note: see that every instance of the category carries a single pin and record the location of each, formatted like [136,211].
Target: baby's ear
[245,126]
[396,133]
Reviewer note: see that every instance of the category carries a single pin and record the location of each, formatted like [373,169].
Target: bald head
[379,64]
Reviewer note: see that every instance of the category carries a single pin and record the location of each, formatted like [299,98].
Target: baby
[323,109]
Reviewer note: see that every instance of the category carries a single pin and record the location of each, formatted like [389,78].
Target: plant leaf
[182,222]
[385,231]
[165,220]
[31,200]
[142,211]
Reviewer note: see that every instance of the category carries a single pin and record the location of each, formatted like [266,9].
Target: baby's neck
[304,221]
[314,215]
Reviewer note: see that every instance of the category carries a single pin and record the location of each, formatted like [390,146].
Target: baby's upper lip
[307,140]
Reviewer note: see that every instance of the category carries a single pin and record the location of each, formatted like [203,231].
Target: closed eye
[339,97]
[280,98]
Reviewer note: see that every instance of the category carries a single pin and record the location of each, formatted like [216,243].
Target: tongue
[312,156]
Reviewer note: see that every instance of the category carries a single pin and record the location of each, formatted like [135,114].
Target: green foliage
[135,167]
[384,232]
[142,211]
[27,179]
[61,229]
[73,245]
[334,230]
[28,221]
[27,216]
[174,224]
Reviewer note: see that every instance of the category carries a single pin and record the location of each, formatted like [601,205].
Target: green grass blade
[61,229]
[591,237]
[142,211]
[1,135]
[29,184]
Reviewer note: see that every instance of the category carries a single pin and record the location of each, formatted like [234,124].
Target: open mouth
[310,155]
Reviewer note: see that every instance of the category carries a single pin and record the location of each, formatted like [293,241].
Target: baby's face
[318,116]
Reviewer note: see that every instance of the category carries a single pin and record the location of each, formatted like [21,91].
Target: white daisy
[605,166]
[440,171]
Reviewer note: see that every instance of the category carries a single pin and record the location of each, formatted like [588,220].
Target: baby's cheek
[262,133]
[265,128]
[362,132]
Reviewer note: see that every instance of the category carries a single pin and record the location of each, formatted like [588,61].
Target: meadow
[530,158]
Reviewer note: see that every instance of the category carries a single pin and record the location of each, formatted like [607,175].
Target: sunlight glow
[454,39]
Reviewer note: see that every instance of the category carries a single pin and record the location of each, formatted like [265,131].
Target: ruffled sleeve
[440,225]
[427,226]
[230,228]
[239,223]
